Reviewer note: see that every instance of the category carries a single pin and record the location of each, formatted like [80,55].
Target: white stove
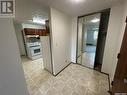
[34,50]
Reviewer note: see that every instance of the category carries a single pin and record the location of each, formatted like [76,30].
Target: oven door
[36,51]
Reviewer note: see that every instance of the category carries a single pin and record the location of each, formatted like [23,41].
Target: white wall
[61,39]
[18,29]
[120,35]
[46,53]
[74,39]
[113,40]
[123,26]
[12,80]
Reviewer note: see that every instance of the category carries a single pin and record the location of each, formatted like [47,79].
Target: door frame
[78,30]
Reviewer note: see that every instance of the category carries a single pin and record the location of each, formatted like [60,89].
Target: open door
[120,79]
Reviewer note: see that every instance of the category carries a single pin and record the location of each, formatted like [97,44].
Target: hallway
[74,80]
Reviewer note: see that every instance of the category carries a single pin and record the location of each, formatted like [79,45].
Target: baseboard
[62,70]
[73,63]
[108,81]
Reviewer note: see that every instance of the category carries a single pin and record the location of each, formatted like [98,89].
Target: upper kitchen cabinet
[40,32]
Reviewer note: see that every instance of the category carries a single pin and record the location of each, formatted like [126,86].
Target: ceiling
[79,7]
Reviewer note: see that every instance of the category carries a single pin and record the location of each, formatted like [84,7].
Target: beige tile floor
[74,80]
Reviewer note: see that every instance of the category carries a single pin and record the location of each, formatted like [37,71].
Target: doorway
[34,46]
[88,28]
[92,30]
